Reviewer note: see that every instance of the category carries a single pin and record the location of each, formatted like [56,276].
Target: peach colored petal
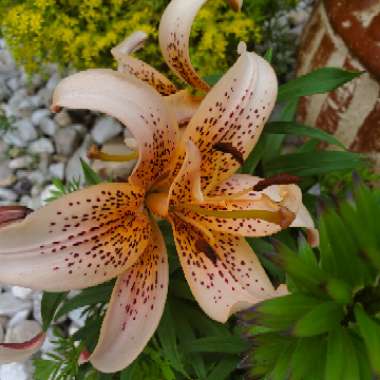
[135,309]
[138,68]
[174,34]
[186,187]
[304,219]
[224,275]
[136,105]
[80,240]
[11,214]
[19,352]
[230,119]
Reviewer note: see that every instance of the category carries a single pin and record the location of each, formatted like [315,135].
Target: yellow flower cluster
[80,33]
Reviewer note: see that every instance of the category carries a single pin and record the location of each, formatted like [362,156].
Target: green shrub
[328,328]
[80,33]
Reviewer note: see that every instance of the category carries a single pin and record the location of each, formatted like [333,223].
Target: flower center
[158,203]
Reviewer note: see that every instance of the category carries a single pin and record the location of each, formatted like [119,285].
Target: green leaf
[223,369]
[268,55]
[283,312]
[339,250]
[90,296]
[186,334]
[49,305]
[370,331]
[320,319]
[335,358]
[168,340]
[254,158]
[90,176]
[296,129]
[44,369]
[314,163]
[319,81]
[227,345]
[339,291]
[89,333]
[212,79]
[282,368]
[268,349]
[305,274]
[308,352]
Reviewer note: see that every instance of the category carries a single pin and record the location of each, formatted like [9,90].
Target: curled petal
[223,272]
[138,68]
[304,219]
[80,240]
[19,352]
[174,34]
[230,119]
[135,309]
[11,214]
[136,105]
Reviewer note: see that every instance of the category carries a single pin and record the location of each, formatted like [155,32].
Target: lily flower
[109,230]
[105,231]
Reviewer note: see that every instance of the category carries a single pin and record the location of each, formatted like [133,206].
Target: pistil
[95,153]
[282,216]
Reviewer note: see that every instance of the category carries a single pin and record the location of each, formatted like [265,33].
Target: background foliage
[80,33]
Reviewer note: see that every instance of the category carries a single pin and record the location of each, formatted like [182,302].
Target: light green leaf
[314,163]
[319,81]
[228,345]
[168,340]
[49,305]
[297,129]
[370,331]
[322,318]
[223,369]
[89,296]
[91,178]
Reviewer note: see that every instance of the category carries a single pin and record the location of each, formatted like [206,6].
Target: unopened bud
[10,214]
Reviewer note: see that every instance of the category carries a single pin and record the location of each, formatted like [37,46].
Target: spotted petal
[19,352]
[136,105]
[138,68]
[135,309]
[223,272]
[80,240]
[230,119]
[174,34]
[235,207]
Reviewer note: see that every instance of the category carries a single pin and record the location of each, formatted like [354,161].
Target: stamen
[95,153]
[282,217]
[279,179]
[233,151]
